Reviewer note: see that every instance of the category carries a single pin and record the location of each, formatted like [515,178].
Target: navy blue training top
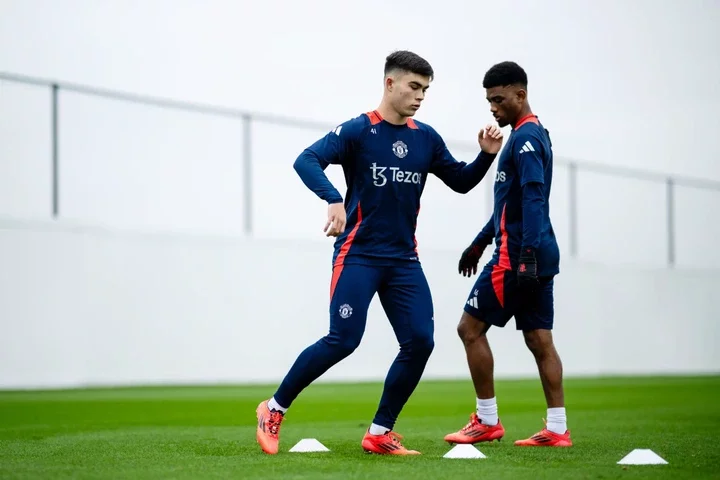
[386,167]
[521,214]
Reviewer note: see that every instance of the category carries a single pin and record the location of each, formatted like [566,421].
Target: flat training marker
[464,451]
[642,456]
[309,445]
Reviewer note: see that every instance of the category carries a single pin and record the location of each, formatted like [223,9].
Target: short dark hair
[408,62]
[505,73]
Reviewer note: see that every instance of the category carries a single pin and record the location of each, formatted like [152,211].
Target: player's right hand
[490,139]
[336,220]
[467,266]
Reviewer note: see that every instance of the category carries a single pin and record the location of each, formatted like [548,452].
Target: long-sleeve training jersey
[521,214]
[386,167]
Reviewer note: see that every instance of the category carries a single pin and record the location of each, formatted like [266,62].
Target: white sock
[273,405]
[487,410]
[556,420]
[378,430]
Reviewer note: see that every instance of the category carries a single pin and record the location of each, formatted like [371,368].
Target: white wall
[136,167]
[89,306]
[626,83]
[612,88]
[146,276]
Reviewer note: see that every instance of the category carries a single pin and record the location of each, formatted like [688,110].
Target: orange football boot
[546,438]
[475,431]
[385,444]
[268,429]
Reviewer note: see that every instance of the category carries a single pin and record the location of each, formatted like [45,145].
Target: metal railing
[248,117]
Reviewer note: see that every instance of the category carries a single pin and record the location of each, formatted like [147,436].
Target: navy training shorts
[495,299]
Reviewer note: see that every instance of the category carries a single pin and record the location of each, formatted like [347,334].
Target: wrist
[482,242]
[484,155]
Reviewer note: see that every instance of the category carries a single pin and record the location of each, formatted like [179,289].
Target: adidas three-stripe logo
[527,147]
[473,302]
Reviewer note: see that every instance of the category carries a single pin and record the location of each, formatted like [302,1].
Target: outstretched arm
[460,176]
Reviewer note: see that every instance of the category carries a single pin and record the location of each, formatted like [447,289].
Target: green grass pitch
[209,432]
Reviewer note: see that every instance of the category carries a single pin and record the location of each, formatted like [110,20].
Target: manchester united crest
[400,149]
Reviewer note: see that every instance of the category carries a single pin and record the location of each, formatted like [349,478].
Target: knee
[342,345]
[470,329]
[539,342]
[349,345]
[426,344]
[421,345]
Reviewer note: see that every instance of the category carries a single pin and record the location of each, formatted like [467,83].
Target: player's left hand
[527,269]
[490,139]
